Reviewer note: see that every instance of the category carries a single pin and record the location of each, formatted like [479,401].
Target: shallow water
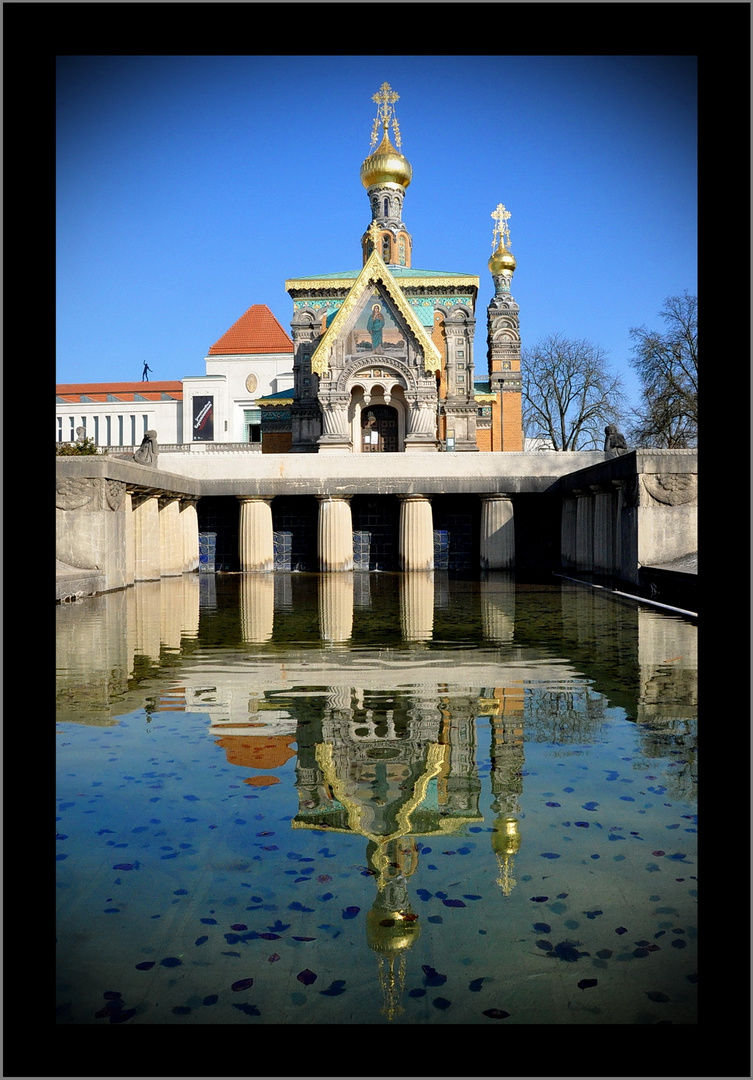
[375,799]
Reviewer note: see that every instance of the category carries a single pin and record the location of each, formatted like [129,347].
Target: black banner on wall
[203,419]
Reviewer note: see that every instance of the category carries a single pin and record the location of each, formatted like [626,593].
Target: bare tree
[668,368]
[569,393]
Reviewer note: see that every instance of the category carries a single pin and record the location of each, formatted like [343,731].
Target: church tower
[503,340]
[386,174]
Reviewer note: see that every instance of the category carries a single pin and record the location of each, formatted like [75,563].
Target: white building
[252,360]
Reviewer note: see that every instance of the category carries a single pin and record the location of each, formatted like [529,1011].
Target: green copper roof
[396,271]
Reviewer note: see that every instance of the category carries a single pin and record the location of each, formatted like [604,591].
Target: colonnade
[592,534]
[335,533]
[161,536]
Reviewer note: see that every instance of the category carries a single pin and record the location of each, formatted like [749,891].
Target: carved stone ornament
[115,493]
[77,493]
[672,489]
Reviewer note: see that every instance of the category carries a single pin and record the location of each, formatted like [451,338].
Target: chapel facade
[383,356]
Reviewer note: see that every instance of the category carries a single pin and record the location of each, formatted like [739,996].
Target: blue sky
[190,187]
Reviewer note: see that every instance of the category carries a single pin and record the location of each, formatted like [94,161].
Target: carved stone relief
[672,489]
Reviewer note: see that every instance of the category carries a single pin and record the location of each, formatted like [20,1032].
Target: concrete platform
[72,582]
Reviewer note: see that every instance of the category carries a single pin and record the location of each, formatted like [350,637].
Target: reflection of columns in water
[171,612]
[170,537]
[416,546]
[146,535]
[336,606]
[255,535]
[335,533]
[417,605]
[148,622]
[497,533]
[497,591]
[257,603]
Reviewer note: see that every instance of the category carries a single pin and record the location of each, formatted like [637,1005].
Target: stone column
[335,534]
[584,540]
[617,508]
[568,531]
[190,529]
[336,606]
[416,533]
[170,537]
[146,534]
[497,533]
[130,540]
[602,529]
[255,535]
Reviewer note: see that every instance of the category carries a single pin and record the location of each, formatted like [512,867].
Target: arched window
[386,247]
[386,207]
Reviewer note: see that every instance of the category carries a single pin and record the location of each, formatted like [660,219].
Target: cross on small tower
[501,228]
[385,98]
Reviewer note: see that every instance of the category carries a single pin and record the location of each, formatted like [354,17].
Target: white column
[146,532]
[170,537]
[416,533]
[255,535]
[190,529]
[497,533]
[602,530]
[130,540]
[335,534]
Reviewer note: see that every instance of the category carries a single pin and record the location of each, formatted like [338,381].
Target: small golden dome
[386,166]
[502,259]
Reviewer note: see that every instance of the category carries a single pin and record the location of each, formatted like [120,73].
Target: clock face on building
[251,383]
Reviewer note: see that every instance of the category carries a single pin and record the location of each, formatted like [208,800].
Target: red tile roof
[123,391]
[257,331]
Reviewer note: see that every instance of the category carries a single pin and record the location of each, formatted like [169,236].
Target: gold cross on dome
[385,99]
[501,228]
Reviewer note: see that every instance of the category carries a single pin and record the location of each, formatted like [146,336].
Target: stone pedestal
[497,533]
[255,535]
[416,533]
[335,534]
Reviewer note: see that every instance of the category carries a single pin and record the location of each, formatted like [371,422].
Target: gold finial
[385,99]
[501,228]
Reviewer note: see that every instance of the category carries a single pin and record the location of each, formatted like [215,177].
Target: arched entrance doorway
[379,430]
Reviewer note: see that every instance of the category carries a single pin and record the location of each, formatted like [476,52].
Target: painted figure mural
[375,326]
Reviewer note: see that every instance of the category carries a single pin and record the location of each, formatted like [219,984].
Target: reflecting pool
[375,799]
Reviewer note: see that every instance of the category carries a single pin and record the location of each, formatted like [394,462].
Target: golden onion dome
[386,166]
[501,260]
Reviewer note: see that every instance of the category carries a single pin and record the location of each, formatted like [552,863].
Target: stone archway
[380,432]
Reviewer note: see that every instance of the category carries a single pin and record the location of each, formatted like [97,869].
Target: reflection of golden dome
[386,166]
[506,835]
[502,259]
[390,932]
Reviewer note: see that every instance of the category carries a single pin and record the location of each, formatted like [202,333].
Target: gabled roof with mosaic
[374,271]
